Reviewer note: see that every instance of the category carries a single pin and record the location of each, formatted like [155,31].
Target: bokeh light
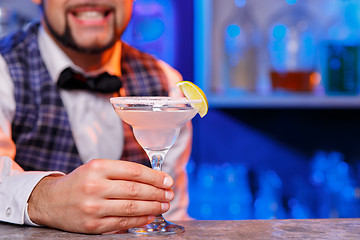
[279,31]
[233,30]
[240,3]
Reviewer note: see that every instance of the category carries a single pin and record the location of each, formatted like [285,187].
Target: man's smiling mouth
[90,13]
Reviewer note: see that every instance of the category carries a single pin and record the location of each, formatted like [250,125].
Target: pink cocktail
[156,122]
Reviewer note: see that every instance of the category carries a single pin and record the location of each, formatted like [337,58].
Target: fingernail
[168,182]
[169,195]
[165,206]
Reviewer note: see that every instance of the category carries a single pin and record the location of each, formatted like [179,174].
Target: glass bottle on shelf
[339,51]
[240,45]
[292,46]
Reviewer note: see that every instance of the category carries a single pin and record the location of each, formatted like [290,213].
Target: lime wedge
[193,92]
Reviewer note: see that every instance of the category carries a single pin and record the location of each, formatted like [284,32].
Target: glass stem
[159,219]
[156,158]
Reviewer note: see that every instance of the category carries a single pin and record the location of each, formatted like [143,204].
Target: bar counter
[242,229]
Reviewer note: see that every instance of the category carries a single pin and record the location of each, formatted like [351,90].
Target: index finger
[124,170]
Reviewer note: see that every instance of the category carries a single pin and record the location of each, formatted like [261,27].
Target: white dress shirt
[90,128]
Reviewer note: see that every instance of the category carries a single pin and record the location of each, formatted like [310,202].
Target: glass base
[158,227]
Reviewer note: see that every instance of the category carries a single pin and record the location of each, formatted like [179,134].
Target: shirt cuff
[15,191]
[27,220]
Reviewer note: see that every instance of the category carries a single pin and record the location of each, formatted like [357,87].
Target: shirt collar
[56,60]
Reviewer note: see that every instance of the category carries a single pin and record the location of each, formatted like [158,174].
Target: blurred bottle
[8,21]
[300,203]
[292,49]
[335,185]
[235,186]
[205,201]
[320,166]
[268,203]
[340,51]
[241,43]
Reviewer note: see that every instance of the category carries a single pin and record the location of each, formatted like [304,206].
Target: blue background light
[291,2]
[149,29]
[233,30]
[279,32]
[240,3]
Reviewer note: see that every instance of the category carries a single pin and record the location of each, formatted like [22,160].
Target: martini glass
[156,122]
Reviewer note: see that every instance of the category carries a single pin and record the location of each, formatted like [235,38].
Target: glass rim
[153,100]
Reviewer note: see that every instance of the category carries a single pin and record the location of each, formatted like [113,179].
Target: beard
[68,40]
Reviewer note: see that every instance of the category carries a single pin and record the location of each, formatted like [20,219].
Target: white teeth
[91,15]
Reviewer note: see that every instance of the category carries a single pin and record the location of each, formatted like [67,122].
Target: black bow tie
[104,83]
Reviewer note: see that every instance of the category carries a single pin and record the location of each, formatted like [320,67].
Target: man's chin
[91,48]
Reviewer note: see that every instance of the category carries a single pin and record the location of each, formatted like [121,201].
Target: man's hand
[101,196]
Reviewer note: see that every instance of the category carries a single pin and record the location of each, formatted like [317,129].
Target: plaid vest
[41,128]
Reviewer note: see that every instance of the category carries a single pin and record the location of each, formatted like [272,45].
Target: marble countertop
[242,229]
